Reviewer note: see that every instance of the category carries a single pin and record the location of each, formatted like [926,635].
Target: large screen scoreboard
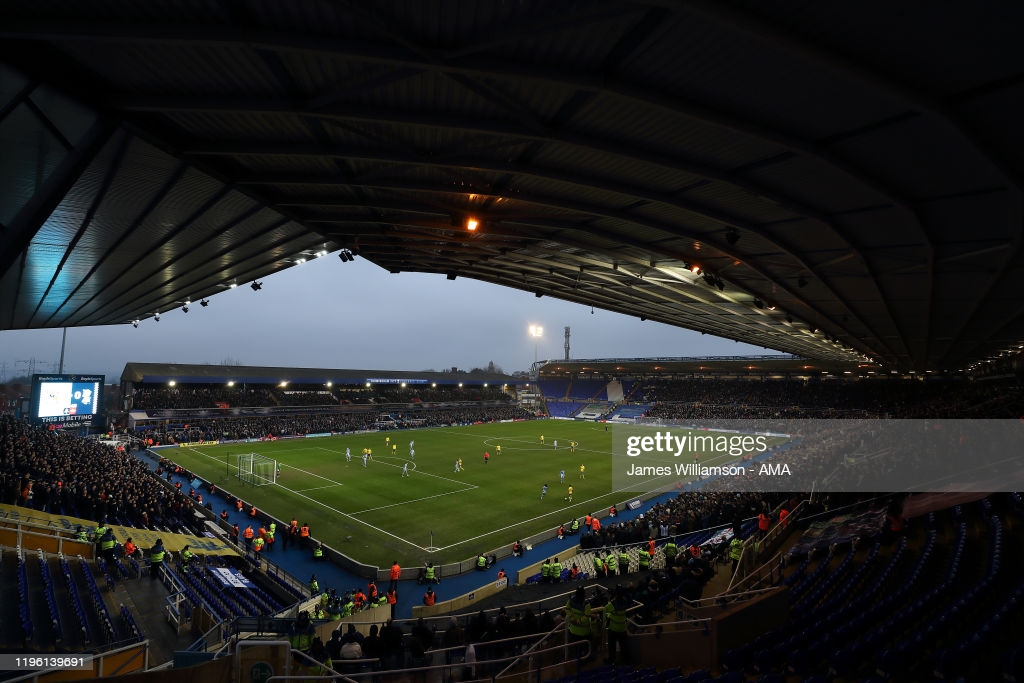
[67,400]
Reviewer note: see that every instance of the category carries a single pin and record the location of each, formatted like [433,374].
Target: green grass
[374,515]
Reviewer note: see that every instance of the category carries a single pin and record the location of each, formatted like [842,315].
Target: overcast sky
[330,314]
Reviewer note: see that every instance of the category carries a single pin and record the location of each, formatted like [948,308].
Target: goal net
[255,469]
[655,421]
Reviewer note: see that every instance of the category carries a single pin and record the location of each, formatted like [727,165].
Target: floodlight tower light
[536,331]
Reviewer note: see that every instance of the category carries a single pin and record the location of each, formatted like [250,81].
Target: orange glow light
[471,224]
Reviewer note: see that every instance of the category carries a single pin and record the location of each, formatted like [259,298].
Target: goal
[654,421]
[255,469]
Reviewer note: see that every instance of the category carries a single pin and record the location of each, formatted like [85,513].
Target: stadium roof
[162,372]
[834,180]
[752,366]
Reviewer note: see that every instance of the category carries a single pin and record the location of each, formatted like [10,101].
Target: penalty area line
[349,516]
[536,518]
[315,488]
[324,505]
[415,500]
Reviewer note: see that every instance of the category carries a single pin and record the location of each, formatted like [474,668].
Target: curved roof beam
[555,202]
[757,334]
[703,170]
[589,181]
[475,125]
[283,41]
[513,261]
[252,271]
[765,31]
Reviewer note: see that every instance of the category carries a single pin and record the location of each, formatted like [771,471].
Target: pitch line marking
[560,510]
[315,488]
[415,500]
[351,516]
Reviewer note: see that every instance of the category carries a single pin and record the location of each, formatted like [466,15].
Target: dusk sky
[330,314]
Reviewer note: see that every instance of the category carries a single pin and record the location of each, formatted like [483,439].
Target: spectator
[156,559]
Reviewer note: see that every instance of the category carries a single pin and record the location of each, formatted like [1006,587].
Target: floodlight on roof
[256,286]
[135,323]
[204,303]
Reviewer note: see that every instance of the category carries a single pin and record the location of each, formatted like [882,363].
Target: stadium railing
[750,565]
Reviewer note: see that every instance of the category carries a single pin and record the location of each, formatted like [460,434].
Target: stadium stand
[588,389]
[555,389]
[791,175]
[826,590]
[593,411]
[628,413]
[563,408]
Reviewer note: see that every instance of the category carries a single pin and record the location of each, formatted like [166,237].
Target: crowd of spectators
[689,511]
[460,640]
[91,480]
[305,396]
[58,472]
[250,427]
[461,415]
[278,426]
[215,395]
[710,398]
[183,396]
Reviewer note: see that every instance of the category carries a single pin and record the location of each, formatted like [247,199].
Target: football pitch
[376,514]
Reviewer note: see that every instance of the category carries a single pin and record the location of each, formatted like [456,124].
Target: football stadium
[836,190]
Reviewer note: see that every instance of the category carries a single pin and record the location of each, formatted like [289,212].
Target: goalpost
[255,469]
[655,421]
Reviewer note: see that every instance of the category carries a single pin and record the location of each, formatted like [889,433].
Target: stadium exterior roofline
[750,366]
[214,374]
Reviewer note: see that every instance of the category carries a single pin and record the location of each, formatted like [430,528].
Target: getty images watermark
[824,455]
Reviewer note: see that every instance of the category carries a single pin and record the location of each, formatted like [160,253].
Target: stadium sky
[330,314]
